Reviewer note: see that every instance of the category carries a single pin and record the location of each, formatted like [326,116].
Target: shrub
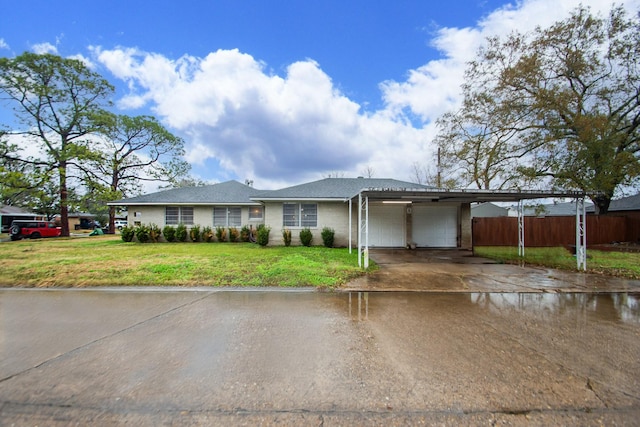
[234,234]
[286,237]
[194,233]
[306,237]
[328,235]
[142,233]
[154,233]
[127,233]
[181,233]
[263,235]
[221,234]
[169,233]
[207,234]
[245,233]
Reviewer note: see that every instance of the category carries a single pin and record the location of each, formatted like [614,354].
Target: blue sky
[281,92]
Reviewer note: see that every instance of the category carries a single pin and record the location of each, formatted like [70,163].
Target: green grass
[621,264]
[108,261]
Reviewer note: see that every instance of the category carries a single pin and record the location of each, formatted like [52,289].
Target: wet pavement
[459,271]
[262,357]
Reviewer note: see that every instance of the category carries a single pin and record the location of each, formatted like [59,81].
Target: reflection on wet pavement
[612,307]
[266,357]
[362,307]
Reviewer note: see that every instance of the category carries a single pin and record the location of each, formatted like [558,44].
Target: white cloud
[42,48]
[273,128]
[284,129]
[434,87]
[86,61]
[3,44]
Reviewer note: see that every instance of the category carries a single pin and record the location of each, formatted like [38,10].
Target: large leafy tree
[561,103]
[133,150]
[480,144]
[60,102]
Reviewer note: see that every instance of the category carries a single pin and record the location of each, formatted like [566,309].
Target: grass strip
[108,261]
[619,264]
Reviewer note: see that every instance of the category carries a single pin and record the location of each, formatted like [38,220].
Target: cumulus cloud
[42,48]
[253,123]
[3,44]
[236,114]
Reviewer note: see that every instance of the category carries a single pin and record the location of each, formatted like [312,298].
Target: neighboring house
[8,214]
[630,206]
[551,209]
[382,212]
[488,210]
[78,220]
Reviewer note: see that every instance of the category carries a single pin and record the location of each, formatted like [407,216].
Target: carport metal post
[350,215]
[363,228]
[581,234]
[520,228]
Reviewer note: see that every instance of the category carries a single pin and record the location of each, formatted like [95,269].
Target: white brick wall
[330,214]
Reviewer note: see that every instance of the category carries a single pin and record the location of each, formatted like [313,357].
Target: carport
[408,198]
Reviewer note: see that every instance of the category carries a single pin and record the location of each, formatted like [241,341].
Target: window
[300,215]
[172,215]
[175,215]
[256,212]
[227,217]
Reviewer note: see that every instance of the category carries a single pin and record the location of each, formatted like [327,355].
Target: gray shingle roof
[553,209]
[12,210]
[631,203]
[334,188]
[225,193]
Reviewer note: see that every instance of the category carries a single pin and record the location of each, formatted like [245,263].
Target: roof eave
[124,203]
[301,199]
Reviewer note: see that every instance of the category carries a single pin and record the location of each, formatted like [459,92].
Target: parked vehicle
[119,223]
[86,224]
[33,230]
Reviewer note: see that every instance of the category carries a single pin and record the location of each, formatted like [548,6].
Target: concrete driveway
[430,270]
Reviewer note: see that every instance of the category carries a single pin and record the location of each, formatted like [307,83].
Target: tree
[60,102]
[186,181]
[480,143]
[133,150]
[571,95]
[368,172]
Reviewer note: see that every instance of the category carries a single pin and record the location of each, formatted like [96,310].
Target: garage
[387,225]
[435,226]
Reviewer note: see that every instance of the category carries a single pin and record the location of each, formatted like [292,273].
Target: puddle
[611,307]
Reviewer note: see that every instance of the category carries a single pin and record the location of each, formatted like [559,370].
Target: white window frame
[184,216]
[258,209]
[298,217]
[231,216]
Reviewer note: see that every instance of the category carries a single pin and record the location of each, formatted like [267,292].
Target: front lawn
[621,264]
[108,261]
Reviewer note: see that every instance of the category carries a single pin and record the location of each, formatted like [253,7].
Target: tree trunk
[64,207]
[601,202]
[112,217]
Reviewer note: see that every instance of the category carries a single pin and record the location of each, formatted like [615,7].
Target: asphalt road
[195,357]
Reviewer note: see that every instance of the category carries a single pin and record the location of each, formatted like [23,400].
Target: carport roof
[460,196]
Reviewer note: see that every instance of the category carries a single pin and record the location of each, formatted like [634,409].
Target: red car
[33,230]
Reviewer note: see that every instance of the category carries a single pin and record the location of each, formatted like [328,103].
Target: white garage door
[387,226]
[435,226]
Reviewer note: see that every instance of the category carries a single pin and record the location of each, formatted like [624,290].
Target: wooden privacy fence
[553,231]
